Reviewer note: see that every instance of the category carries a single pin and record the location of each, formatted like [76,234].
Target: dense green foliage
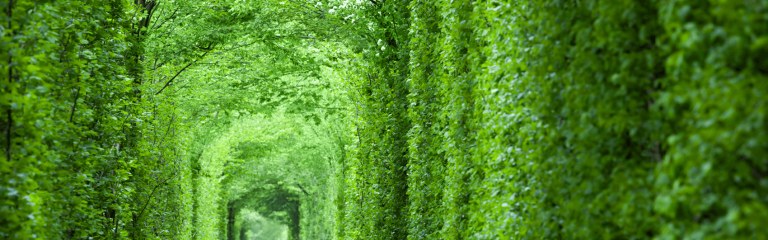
[107,135]
[576,120]
[84,153]
[376,204]
[376,119]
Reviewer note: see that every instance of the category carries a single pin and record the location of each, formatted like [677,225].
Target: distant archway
[273,200]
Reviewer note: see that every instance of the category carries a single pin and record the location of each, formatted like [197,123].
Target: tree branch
[158,66]
[179,72]
[302,189]
[153,193]
[166,20]
[166,131]
[74,106]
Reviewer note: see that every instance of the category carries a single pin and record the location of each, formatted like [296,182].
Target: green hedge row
[626,119]
[374,205]
[81,155]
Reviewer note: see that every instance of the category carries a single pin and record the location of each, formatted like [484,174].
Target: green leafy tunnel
[383,119]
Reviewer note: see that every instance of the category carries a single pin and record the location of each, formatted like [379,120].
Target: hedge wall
[82,155]
[375,204]
[625,119]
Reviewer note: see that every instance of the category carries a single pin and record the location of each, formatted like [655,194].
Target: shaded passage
[383,119]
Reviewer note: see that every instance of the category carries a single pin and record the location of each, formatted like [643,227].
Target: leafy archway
[280,166]
[272,200]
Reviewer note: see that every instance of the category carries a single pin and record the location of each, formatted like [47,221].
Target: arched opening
[252,226]
[273,202]
[274,170]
